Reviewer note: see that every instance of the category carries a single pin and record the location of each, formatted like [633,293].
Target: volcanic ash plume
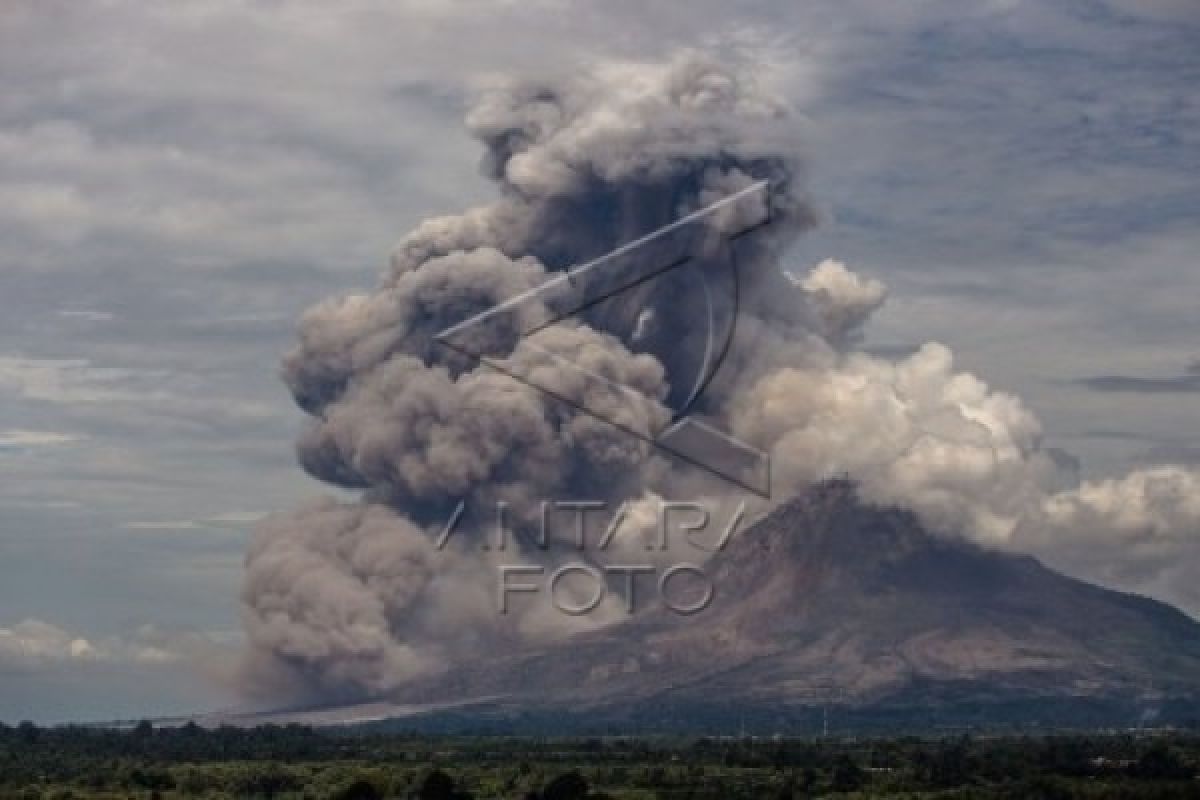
[348,599]
[343,599]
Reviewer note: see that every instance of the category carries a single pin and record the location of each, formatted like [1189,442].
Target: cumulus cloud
[914,432]
[1162,503]
[1139,532]
[33,644]
[21,439]
[842,300]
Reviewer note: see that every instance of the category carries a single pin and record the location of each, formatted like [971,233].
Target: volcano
[830,603]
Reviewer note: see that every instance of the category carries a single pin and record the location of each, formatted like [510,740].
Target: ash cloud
[352,598]
[344,599]
[842,300]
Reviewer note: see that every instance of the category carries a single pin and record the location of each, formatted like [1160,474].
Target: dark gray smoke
[352,598]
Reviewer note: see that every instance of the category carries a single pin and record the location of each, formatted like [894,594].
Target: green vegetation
[76,763]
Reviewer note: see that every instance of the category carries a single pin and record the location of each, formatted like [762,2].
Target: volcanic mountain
[831,603]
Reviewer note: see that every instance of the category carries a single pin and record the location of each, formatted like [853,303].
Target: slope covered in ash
[830,601]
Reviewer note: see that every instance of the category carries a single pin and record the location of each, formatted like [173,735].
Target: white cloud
[238,517]
[842,299]
[1139,532]
[77,382]
[87,315]
[65,380]
[32,644]
[920,433]
[165,525]
[228,520]
[22,439]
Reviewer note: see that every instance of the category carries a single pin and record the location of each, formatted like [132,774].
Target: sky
[179,181]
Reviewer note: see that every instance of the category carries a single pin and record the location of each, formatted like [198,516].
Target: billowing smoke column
[345,599]
[352,597]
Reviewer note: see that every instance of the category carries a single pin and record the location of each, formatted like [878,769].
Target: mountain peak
[831,595]
[827,527]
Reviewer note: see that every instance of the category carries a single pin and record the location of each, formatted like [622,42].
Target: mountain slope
[828,600]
